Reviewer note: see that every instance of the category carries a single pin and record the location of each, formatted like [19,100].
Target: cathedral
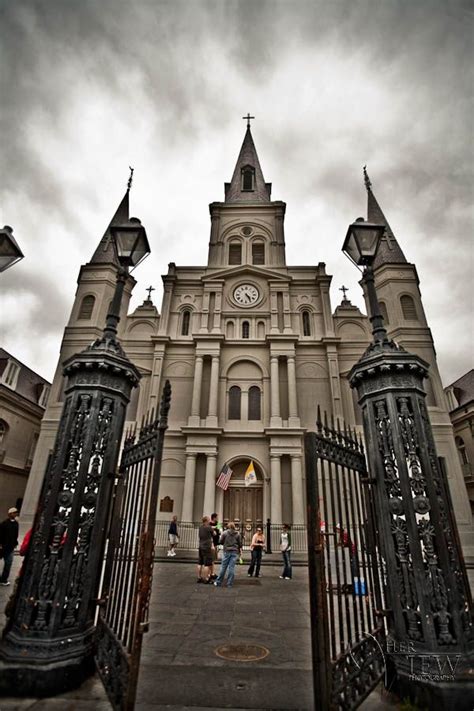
[251,347]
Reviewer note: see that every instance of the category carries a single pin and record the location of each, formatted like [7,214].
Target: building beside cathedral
[251,346]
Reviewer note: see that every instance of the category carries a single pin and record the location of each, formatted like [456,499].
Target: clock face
[246,294]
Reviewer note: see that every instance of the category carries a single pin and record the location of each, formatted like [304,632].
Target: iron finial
[130,179]
[367,182]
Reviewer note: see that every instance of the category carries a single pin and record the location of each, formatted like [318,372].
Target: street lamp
[361,245]
[49,641]
[10,253]
[417,534]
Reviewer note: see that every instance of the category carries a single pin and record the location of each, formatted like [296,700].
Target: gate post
[429,617]
[48,643]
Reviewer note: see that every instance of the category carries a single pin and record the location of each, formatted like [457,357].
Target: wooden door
[244,505]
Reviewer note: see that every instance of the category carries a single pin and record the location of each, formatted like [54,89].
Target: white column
[276,489]
[297,489]
[196,401]
[292,401]
[188,490]
[214,389]
[275,389]
[210,485]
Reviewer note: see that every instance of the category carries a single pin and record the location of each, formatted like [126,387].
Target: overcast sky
[89,88]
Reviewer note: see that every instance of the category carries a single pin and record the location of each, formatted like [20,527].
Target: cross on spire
[344,289]
[248,118]
[149,290]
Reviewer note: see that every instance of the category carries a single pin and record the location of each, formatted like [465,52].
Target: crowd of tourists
[227,544]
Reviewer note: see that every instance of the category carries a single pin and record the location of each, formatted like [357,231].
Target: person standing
[216,534]
[8,543]
[206,551]
[232,546]
[256,546]
[285,547]
[173,537]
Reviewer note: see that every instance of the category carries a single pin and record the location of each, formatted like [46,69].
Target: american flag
[224,477]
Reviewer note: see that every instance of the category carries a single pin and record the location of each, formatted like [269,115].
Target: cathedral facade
[251,346]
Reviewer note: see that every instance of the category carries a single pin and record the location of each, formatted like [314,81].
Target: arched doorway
[244,504]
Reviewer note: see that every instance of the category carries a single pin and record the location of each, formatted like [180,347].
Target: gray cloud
[88,88]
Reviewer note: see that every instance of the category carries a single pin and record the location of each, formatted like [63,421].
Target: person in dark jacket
[8,543]
[232,546]
[206,551]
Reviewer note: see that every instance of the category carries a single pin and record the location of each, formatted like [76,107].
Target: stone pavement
[188,622]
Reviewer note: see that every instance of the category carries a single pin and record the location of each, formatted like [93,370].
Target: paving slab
[180,669]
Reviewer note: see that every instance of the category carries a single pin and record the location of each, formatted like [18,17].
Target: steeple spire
[389,251]
[105,252]
[248,183]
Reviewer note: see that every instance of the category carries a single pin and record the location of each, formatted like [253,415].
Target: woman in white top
[285,547]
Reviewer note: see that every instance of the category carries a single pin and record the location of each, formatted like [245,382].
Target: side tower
[398,291]
[95,290]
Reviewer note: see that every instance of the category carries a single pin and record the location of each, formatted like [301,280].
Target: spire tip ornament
[130,179]
[367,181]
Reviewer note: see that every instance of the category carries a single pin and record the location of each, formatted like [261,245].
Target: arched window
[248,178]
[245,329]
[255,403]
[408,308]
[306,323]
[461,446]
[234,403]
[383,311]
[87,306]
[258,253]
[235,253]
[3,430]
[261,329]
[185,322]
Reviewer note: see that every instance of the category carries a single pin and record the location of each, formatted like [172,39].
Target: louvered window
[235,253]
[87,306]
[408,308]
[248,178]
[258,253]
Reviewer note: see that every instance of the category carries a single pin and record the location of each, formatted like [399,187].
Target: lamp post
[429,616]
[48,643]
[10,253]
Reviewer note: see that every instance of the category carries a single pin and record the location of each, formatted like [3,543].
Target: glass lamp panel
[367,237]
[351,247]
[141,248]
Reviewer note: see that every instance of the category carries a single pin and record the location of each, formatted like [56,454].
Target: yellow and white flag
[250,476]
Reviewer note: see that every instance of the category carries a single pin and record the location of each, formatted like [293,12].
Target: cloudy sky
[89,88]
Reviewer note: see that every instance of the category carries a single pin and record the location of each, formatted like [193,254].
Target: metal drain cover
[242,652]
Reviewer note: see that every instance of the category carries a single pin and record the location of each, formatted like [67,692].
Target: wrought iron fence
[189,539]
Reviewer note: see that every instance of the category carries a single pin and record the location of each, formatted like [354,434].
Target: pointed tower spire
[248,183]
[105,252]
[389,251]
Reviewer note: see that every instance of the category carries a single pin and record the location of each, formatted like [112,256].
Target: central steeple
[248,183]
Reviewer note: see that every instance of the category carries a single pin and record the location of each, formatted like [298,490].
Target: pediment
[247,270]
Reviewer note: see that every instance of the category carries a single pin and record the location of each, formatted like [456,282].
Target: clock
[246,294]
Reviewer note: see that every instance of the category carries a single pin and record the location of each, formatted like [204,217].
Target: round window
[246,230]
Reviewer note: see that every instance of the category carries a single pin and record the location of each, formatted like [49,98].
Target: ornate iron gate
[128,566]
[346,595]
